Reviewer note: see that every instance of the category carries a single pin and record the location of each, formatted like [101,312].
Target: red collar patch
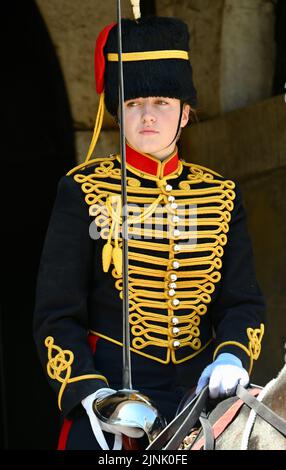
[151,165]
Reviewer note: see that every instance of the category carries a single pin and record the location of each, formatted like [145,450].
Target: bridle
[262,410]
[173,435]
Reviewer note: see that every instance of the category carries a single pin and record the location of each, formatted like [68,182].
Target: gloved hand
[223,376]
[97,425]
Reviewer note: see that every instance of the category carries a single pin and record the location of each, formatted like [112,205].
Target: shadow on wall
[38,150]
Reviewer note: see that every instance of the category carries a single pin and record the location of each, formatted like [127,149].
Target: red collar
[151,165]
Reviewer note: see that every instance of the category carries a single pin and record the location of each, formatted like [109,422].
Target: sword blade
[126,372]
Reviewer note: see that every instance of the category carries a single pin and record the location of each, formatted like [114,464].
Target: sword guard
[130,408]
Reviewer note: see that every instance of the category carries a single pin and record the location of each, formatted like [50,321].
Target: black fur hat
[161,77]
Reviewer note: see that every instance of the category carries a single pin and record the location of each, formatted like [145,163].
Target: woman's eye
[132,104]
[162,102]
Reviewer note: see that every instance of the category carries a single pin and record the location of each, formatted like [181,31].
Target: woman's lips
[148,132]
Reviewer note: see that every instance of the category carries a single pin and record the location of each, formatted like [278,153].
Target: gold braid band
[149,55]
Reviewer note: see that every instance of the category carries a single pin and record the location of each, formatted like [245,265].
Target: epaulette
[91,163]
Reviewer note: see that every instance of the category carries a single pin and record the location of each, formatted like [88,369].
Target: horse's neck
[275,397]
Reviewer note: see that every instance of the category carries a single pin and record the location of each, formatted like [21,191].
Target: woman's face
[151,124]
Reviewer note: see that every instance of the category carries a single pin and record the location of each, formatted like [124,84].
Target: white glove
[223,376]
[97,425]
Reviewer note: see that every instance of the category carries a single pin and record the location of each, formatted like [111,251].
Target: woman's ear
[185,115]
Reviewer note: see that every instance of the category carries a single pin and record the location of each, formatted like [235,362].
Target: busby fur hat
[169,77]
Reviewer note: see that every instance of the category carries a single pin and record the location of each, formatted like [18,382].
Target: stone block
[108,143]
[74,27]
[232,50]
[242,143]
[265,202]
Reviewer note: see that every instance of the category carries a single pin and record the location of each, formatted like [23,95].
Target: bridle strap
[173,435]
[222,423]
[177,429]
[262,410]
[209,439]
[190,420]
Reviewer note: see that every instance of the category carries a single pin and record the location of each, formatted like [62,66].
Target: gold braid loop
[255,336]
[61,363]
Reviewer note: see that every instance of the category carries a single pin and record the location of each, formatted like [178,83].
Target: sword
[127,407]
[126,373]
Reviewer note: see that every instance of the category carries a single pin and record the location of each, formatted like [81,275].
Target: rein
[173,435]
[262,410]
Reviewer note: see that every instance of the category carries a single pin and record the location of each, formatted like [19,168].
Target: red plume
[99,58]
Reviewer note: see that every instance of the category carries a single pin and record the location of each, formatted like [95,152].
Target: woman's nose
[148,115]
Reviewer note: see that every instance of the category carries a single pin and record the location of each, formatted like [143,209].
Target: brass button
[175,219]
[171,292]
[177,247]
[174,205]
[173,277]
[175,302]
[175,330]
[171,198]
[175,320]
[172,285]
[176,344]
[177,233]
[176,264]
[168,187]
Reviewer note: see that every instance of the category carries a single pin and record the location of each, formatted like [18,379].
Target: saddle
[214,419]
[202,420]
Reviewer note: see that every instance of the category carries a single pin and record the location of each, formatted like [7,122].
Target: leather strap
[223,421]
[209,443]
[172,436]
[262,410]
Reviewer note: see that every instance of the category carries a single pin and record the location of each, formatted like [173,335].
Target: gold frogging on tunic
[154,265]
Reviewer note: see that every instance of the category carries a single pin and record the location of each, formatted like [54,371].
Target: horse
[250,432]
[255,423]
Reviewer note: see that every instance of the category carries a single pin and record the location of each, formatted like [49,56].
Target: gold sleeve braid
[171,277]
[255,336]
[59,367]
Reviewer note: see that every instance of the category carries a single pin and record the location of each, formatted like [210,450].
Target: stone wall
[226,37]
[232,50]
[74,27]
[249,146]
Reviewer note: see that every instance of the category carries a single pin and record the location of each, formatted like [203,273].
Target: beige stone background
[242,128]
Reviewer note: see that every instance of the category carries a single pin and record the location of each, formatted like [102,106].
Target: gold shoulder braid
[176,244]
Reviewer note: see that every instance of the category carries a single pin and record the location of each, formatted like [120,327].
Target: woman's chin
[147,148]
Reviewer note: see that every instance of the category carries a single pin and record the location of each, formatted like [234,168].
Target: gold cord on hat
[97,127]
